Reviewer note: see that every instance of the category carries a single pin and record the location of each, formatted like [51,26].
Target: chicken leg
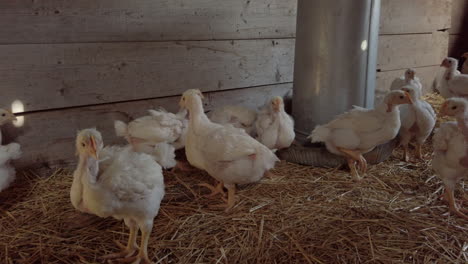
[452,205]
[419,151]
[352,168]
[405,153]
[214,189]
[357,156]
[131,247]
[231,199]
[142,257]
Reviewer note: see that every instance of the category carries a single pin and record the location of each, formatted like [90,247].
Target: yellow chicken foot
[214,189]
[405,153]
[352,168]
[419,152]
[452,205]
[142,257]
[230,201]
[128,250]
[355,155]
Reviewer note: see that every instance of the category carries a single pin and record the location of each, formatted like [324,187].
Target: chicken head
[453,107]
[412,91]
[409,74]
[6,116]
[188,96]
[449,63]
[89,142]
[395,98]
[277,103]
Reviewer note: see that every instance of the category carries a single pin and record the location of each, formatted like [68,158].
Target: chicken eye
[83,144]
[454,107]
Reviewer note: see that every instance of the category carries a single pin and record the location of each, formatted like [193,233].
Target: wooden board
[58,21]
[415,16]
[47,76]
[404,51]
[459,11]
[385,79]
[47,138]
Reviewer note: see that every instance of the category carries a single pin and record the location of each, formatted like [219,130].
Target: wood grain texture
[385,79]
[58,21]
[459,10]
[47,76]
[47,138]
[405,51]
[415,16]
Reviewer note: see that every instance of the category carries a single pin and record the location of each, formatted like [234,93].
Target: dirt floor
[301,215]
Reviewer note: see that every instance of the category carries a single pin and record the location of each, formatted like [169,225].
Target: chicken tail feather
[319,134]
[120,128]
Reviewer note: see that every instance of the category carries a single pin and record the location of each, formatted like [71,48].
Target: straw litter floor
[302,215]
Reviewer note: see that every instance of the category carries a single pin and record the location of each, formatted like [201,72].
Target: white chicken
[417,121]
[118,182]
[458,108]
[5,117]
[7,153]
[151,135]
[453,84]
[408,79]
[464,68]
[7,171]
[227,153]
[236,115]
[360,130]
[449,147]
[275,128]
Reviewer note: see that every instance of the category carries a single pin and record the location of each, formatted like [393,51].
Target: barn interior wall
[77,64]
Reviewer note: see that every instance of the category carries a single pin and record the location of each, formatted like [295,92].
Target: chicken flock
[236,145]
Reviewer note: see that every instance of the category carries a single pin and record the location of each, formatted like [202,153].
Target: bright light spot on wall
[18,107]
[364,45]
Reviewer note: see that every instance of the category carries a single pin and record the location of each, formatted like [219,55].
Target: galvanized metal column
[335,59]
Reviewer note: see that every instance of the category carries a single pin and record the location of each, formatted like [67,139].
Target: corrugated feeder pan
[315,154]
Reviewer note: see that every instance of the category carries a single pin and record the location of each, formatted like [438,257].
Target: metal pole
[335,59]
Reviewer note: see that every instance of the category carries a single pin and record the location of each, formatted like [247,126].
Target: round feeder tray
[318,156]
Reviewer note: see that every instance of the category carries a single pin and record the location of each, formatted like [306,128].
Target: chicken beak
[92,147]
[408,96]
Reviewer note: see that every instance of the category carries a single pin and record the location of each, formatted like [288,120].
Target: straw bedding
[301,215]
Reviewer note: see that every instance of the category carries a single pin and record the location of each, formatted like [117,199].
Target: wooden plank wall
[413,34]
[458,41]
[77,64]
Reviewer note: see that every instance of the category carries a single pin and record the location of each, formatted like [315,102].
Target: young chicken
[148,134]
[458,108]
[408,79]
[118,182]
[275,128]
[236,115]
[227,153]
[7,153]
[5,117]
[449,147]
[360,130]
[453,84]
[7,171]
[417,121]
